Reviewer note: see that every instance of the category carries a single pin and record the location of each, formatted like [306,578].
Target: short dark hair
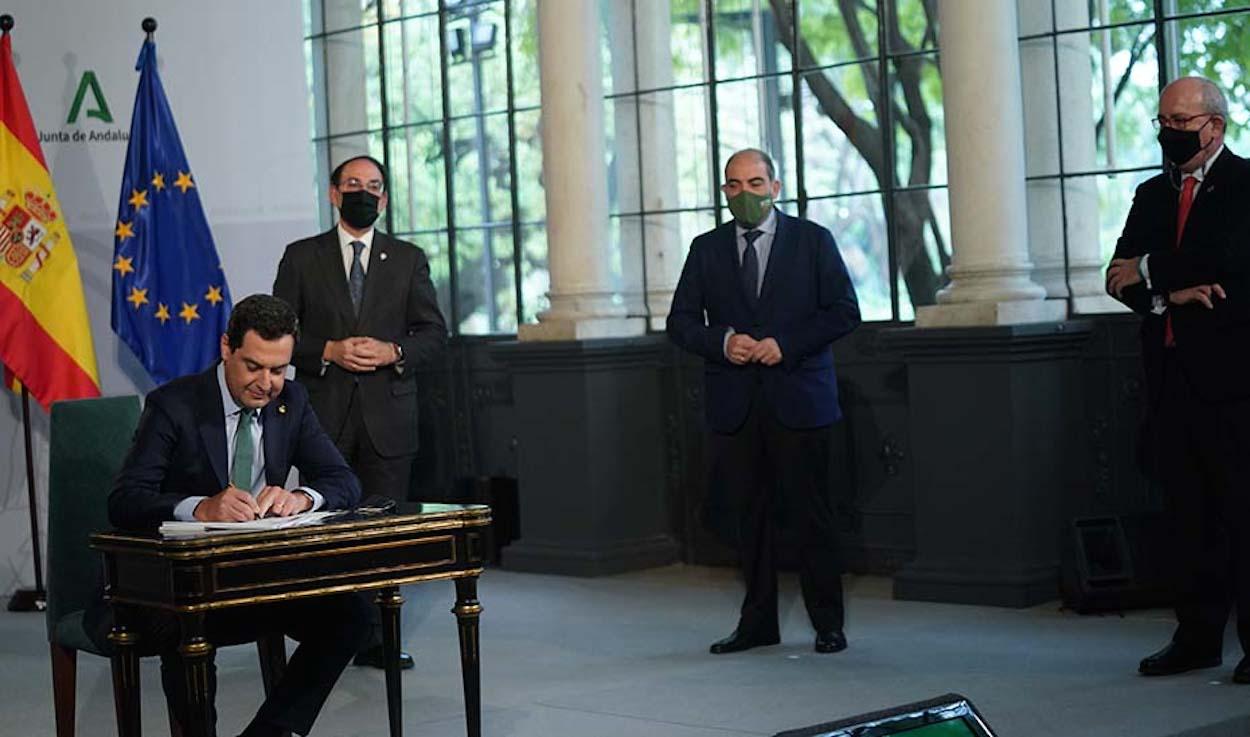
[338,170]
[759,154]
[271,318]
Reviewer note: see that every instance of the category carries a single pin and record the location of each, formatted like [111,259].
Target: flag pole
[27,600]
[149,27]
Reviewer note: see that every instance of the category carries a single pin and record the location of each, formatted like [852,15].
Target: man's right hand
[739,348]
[352,354]
[231,504]
[1204,294]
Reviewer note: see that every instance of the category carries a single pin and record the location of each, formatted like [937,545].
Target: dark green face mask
[750,209]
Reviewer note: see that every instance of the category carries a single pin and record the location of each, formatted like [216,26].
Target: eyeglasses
[1178,122]
[352,184]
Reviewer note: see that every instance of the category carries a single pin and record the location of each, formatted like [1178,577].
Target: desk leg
[125,675]
[389,601]
[197,656]
[467,610]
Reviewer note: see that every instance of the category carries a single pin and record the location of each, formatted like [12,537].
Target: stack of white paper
[265,523]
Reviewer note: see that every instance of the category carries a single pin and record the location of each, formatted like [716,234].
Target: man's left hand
[276,501]
[767,352]
[1123,272]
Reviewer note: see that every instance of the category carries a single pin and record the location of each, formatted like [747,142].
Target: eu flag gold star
[162,312]
[138,297]
[158,181]
[214,295]
[189,312]
[124,230]
[184,181]
[123,265]
[138,199]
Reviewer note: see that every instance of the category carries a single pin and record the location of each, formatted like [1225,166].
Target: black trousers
[1203,454]
[378,474]
[329,631]
[771,480]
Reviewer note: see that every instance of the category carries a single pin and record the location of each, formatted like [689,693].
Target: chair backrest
[89,440]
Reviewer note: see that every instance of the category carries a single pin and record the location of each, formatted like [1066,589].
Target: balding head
[1200,91]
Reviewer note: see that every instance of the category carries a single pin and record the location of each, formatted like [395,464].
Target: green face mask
[750,209]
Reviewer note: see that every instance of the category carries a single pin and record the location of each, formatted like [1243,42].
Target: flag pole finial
[149,27]
[6,23]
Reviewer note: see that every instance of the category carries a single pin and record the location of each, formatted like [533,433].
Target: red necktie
[1182,214]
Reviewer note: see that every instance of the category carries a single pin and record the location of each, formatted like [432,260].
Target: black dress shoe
[376,657]
[832,641]
[1175,659]
[1241,674]
[737,642]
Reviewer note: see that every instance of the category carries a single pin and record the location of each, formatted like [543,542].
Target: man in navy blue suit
[218,446]
[762,299]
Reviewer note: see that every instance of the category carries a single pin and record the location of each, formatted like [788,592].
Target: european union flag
[170,299]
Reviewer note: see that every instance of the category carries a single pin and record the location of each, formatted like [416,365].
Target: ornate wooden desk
[195,574]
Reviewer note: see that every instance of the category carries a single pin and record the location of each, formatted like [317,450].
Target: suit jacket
[399,306]
[1212,346]
[180,445]
[806,302]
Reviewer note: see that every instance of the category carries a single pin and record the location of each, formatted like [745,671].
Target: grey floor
[627,655]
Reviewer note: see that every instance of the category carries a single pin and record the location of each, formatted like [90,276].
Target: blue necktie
[750,271]
[356,280]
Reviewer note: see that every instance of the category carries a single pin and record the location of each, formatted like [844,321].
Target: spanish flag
[45,339]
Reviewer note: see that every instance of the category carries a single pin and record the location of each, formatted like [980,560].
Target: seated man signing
[218,446]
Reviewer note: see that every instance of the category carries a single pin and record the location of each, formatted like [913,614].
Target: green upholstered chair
[89,440]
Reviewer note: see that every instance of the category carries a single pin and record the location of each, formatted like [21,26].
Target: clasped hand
[744,349]
[232,504]
[1121,273]
[360,353]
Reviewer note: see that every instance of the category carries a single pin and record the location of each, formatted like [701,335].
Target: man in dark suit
[369,318]
[1183,263]
[218,446]
[762,299]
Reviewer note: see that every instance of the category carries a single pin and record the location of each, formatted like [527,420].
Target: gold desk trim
[291,595]
[329,552]
[200,547]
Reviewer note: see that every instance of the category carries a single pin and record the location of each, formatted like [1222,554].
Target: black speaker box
[1115,563]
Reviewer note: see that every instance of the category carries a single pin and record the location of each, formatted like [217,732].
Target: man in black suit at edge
[369,318]
[762,299]
[218,446]
[1183,264]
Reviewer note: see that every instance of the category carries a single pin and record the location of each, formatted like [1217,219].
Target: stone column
[583,302]
[989,272]
[1042,124]
[646,150]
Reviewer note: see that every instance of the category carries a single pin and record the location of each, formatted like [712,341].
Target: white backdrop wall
[234,74]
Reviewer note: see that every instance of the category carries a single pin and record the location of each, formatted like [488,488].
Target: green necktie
[241,467]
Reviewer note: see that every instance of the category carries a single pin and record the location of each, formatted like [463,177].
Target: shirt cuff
[1143,268]
[724,344]
[185,510]
[317,500]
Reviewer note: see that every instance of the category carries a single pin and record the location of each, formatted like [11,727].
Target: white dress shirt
[345,246]
[763,249]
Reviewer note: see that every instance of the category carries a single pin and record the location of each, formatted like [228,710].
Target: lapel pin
[281,409]
[382,255]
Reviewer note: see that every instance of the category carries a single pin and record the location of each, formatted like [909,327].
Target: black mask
[359,209]
[1180,146]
